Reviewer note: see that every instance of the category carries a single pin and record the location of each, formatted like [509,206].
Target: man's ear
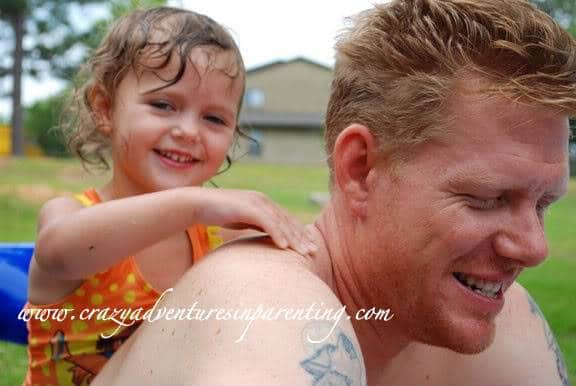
[101,108]
[354,156]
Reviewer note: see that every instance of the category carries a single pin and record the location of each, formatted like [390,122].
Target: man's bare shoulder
[524,350]
[254,315]
[256,264]
[260,252]
[523,333]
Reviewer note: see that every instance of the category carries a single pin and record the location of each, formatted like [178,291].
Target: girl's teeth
[176,157]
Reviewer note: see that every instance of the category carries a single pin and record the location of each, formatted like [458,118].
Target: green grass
[18,219]
[288,185]
[13,364]
[25,184]
[552,284]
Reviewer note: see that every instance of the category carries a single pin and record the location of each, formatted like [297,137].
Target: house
[283,110]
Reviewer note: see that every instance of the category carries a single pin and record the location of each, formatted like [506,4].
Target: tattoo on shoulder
[551,340]
[335,362]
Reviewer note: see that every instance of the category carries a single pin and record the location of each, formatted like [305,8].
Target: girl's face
[178,135]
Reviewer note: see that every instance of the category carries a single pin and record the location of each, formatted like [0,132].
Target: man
[447,135]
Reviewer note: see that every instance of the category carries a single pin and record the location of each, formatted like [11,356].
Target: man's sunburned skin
[552,344]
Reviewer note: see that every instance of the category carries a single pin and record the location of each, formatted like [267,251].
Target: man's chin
[471,346]
[463,339]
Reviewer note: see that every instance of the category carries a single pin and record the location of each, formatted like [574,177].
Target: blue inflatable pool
[14,261]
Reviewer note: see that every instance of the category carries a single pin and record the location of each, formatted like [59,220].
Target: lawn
[25,184]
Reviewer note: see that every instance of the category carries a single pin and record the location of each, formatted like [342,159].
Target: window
[254,97]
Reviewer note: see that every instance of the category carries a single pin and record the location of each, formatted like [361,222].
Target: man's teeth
[482,287]
[176,157]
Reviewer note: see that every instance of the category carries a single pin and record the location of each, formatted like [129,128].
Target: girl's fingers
[278,225]
[278,235]
[268,218]
[296,233]
[257,211]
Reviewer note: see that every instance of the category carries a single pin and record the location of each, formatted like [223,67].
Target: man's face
[450,232]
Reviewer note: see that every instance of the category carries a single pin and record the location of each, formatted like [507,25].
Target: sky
[272,30]
[265,30]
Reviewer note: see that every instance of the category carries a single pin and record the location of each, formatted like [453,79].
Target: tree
[57,44]
[41,123]
[55,47]
[13,13]
[563,11]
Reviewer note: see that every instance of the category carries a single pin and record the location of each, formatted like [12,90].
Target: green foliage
[41,123]
[116,9]
[122,7]
[54,45]
[11,7]
[57,42]
[563,11]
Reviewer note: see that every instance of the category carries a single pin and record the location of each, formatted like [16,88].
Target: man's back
[289,328]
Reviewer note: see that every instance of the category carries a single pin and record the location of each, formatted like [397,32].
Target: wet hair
[142,40]
[399,63]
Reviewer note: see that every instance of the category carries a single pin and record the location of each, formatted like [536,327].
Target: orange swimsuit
[72,350]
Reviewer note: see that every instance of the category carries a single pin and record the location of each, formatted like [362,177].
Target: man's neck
[380,341]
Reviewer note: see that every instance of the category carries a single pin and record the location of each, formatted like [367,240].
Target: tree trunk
[17,20]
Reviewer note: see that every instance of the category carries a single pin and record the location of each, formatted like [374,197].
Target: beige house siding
[286,145]
[288,114]
[295,87]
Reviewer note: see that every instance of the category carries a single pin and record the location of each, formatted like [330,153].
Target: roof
[281,119]
[267,66]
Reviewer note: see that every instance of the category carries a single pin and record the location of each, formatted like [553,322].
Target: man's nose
[522,238]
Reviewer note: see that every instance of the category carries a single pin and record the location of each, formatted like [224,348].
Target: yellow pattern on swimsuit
[72,351]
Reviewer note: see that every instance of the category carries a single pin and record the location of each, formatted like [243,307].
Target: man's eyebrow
[475,178]
[471,178]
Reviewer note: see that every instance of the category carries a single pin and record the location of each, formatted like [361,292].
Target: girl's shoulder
[60,204]
[64,205]
[43,287]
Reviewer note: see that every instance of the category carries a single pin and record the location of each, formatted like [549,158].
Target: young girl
[163,97]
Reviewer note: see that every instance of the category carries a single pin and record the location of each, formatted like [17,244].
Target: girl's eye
[162,105]
[216,120]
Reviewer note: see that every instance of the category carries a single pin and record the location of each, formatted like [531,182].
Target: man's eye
[485,203]
[162,105]
[215,119]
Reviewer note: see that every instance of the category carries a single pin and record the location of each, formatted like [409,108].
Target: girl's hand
[245,209]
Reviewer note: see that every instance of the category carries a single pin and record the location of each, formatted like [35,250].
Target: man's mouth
[482,287]
[178,157]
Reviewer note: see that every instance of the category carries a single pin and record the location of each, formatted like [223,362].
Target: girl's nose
[187,132]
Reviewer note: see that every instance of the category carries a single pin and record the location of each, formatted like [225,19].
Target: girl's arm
[75,241]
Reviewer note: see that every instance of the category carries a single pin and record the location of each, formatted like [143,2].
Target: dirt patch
[35,194]
[4,161]
[77,174]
